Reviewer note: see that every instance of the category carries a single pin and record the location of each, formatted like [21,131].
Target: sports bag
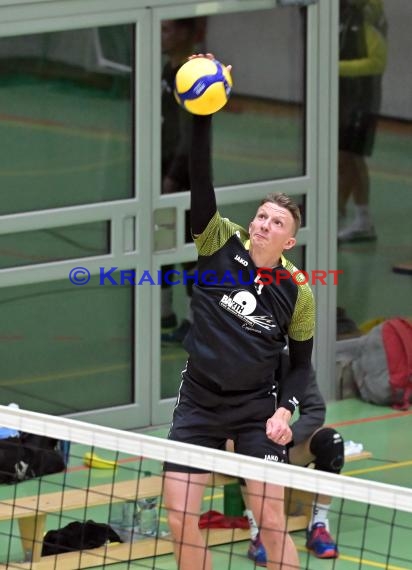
[27,456]
[383,368]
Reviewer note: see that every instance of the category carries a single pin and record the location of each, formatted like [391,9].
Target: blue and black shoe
[257,552]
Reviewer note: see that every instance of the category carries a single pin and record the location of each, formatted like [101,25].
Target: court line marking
[361,561]
[385,467]
[61,128]
[90,166]
[371,419]
[63,375]
[345,557]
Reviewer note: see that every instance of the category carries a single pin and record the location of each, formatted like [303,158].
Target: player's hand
[209,56]
[277,427]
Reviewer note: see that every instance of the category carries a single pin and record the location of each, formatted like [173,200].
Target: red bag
[397,340]
[214,519]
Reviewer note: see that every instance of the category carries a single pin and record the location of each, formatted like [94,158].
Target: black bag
[42,455]
[11,460]
[29,456]
[78,536]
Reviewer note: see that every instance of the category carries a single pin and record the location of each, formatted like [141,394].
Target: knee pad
[329,451]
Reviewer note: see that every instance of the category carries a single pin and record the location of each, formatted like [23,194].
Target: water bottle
[124,520]
[6,432]
[233,504]
[147,517]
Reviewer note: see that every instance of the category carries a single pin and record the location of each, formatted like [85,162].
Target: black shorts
[357,135]
[359,104]
[209,420]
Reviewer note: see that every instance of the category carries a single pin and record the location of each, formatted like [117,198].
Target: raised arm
[202,194]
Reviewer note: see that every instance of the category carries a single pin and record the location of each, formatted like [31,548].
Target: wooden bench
[31,513]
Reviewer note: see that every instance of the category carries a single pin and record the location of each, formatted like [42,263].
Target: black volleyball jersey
[244,322]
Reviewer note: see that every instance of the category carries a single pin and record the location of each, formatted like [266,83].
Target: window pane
[67,349]
[259,135]
[375,198]
[66,100]
[54,244]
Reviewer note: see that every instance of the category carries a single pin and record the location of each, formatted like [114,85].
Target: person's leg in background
[189,273]
[325,449]
[168,316]
[266,502]
[354,181]
[256,550]
[178,334]
[356,140]
[359,102]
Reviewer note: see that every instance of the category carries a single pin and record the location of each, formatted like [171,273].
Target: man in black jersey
[241,323]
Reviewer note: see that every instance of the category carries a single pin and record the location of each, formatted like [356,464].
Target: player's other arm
[202,194]
[293,390]
[312,412]
[300,334]
[297,379]
[294,385]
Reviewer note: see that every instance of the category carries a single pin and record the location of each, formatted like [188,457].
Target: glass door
[73,339]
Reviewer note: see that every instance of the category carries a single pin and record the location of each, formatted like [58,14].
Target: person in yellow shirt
[362,62]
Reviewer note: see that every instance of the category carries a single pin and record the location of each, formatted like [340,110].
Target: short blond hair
[285,201]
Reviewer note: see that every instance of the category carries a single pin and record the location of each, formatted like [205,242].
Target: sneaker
[357,233]
[177,335]
[257,552]
[320,542]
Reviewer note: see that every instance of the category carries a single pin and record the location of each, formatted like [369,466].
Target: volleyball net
[103,506]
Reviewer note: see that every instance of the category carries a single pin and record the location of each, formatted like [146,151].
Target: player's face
[272,228]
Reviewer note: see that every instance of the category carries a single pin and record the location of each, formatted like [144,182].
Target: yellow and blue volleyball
[202,86]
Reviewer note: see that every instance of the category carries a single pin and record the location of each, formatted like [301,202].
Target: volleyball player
[240,327]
